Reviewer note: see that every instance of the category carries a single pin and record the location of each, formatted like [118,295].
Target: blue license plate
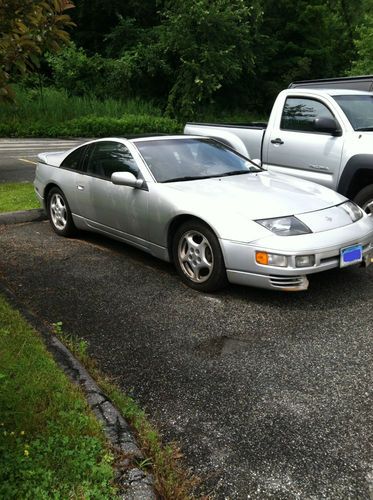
[351,255]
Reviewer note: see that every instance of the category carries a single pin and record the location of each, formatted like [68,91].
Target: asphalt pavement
[268,393]
[18,157]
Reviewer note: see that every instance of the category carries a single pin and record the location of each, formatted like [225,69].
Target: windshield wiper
[364,129]
[235,172]
[187,178]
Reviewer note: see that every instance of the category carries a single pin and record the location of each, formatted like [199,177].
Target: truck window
[299,113]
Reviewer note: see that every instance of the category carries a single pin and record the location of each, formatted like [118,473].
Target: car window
[299,114]
[108,157]
[74,160]
[186,159]
[358,109]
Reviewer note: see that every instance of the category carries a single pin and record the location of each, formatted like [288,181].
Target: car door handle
[277,141]
[80,187]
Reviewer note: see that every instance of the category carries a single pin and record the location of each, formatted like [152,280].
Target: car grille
[287,281]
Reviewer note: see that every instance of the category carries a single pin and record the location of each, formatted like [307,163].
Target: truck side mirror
[327,125]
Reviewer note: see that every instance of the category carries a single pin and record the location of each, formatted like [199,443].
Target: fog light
[304,260]
[271,259]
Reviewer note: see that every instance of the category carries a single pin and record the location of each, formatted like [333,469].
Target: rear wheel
[59,213]
[198,257]
[364,198]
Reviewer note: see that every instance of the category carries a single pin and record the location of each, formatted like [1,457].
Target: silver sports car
[215,214]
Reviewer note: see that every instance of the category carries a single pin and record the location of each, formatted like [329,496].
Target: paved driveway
[18,156]
[268,393]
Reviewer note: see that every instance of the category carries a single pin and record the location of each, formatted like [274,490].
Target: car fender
[357,164]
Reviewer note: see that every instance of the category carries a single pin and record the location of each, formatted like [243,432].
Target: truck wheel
[364,198]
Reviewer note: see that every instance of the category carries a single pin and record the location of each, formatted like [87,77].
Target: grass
[172,480]
[17,196]
[53,113]
[51,446]
[54,106]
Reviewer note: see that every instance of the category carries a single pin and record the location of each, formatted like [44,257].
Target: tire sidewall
[364,196]
[218,278]
[69,229]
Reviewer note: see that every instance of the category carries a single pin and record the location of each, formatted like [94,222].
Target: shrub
[92,126]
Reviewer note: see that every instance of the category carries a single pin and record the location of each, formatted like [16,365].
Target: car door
[71,178]
[121,211]
[296,148]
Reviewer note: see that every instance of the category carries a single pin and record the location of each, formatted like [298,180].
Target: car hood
[258,195]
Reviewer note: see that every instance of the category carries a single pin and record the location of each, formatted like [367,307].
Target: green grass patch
[53,113]
[51,446]
[172,480]
[17,196]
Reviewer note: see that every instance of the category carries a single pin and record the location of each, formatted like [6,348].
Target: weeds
[51,445]
[172,480]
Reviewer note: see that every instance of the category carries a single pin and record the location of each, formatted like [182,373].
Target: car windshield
[358,109]
[177,160]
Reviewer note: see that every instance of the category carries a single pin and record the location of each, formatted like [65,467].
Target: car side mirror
[126,179]
[327,125]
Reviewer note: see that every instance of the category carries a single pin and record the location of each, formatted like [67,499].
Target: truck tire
[364,199]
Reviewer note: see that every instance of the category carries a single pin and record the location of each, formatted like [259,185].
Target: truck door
[294,147]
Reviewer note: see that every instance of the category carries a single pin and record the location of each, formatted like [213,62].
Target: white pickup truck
[320,130]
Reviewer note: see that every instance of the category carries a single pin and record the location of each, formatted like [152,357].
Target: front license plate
[351,255]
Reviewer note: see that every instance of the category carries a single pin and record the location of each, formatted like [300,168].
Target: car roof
[331,92]
[165,138]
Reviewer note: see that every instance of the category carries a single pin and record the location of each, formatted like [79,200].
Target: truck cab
[324,135]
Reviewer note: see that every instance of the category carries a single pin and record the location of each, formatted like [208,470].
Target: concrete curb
[36,214]
[135,483]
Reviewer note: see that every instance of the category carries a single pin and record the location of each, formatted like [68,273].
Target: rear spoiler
[54,158]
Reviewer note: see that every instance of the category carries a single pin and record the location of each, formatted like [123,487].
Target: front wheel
[59,213]
[198,257]
[364,199]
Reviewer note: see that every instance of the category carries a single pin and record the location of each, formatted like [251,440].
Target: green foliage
[363,64]
[17,196]
[93,126]
[54,114]
[50,444]
[28,28]
[82,75]
[301,40]
[207,44]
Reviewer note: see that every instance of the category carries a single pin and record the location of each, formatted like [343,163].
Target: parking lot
[269,394]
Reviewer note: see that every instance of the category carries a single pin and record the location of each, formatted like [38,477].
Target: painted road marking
[28,161]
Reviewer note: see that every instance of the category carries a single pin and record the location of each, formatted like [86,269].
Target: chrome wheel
[195,256]
[368,207]
[58,211]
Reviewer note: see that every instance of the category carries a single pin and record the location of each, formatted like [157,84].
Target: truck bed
[245,138]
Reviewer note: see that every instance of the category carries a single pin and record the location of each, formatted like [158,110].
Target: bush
[92,126]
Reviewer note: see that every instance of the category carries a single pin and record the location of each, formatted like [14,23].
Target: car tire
[59,213]
[364,199]
[198,257]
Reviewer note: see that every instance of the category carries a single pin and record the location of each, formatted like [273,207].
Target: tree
[207,44]
[28,29]
[303,40]
[363,64]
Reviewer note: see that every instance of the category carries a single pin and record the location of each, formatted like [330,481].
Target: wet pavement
[268,393]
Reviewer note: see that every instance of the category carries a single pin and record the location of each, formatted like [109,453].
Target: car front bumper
[242,268]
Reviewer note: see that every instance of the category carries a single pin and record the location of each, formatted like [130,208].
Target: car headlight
[353,210]
[285,226]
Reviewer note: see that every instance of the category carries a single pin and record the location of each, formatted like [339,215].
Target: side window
[108,157]
[298,114]
[73,161]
